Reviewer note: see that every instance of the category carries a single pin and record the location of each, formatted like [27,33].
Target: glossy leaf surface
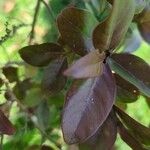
[75,26]
[105,137]
[41,55]
[87,107]
[140,132]
[108,34]
[91,65]
[131,68]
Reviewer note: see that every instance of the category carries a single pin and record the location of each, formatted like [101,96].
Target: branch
[34,21]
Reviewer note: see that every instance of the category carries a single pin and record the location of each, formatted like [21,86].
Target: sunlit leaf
[5,125]
[126,92]
[41,55]
[91,65]
[53,80]
[131,68]
[104,138]
[108,34]
[75,26]
[140,132]
[129,139]
[87,107]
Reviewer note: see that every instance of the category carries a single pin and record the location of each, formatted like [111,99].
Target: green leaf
[42,54]
[131,68]
[108,34]
[75,26]
[140,132]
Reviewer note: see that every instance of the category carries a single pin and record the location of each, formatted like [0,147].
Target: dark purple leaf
[87,107]
[76,26]
[91,65]
[137,130]
[131,68]
[5,125]
[126,92]
[53,80]
[11,73]
[104,138]
[108,34]
[129,139]
[41,55]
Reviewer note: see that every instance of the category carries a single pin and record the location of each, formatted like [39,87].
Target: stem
[1,142]
[49,9]
[34,21]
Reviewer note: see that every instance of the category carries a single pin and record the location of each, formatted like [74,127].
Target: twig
[34,21]
[49,9]
[1,142]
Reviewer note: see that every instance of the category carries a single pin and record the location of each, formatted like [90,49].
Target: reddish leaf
[140,132]
[41,55]
[87,107]
[126,92]
[108,34]
[53,80]
[76,26]
[131,68]
[5,125]
[91,65]
[11,73]
[129,139]
[105,137]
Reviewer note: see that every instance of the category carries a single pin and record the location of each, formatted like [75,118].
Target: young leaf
[108,34]
[126,92]
[105,137]
[129,139]
[140,132]
[91,65]
[53,80]
[41,55]
[131,68]
[87,107]
[75,26]
[5,125]
[140,5]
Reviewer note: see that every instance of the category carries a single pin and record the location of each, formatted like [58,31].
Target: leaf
[126,92]
[53,80]
[43,115]
[11,73]
[41,55]
[140,132]
[75,26]
[129,139]
[140,5]
[105,137]
[108,34]
[87,107]
[5,125]
[91,65]
[131,68]
[143,21]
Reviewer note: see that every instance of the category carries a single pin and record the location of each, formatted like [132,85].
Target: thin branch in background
[1,141]
[34,21]
[49,9]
